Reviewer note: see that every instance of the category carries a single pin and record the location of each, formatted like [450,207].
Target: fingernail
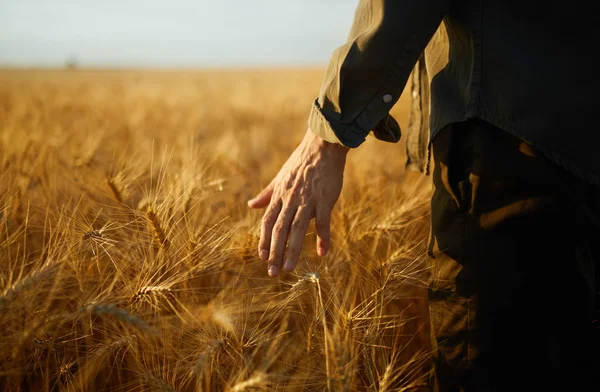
[273,270]
[288,265]
[264,255]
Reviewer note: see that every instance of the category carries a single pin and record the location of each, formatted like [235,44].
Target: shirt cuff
[350,135]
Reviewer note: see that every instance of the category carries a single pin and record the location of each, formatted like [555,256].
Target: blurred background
[171,34]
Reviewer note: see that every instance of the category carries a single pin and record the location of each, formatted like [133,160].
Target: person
[509,88]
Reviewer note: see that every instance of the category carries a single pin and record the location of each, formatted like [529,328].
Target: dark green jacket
[524,66]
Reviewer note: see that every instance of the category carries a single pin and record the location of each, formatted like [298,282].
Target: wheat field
[128,255]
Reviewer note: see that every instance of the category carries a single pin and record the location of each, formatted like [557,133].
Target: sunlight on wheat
[128,255]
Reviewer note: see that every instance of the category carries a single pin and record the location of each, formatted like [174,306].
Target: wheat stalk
[34,329]
[385,379]
[252,382]
[119,313]
[24,284]
[314,278]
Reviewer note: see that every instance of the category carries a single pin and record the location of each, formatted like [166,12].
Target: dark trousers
[512,264]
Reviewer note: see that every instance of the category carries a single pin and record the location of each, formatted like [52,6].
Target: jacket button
[387,98]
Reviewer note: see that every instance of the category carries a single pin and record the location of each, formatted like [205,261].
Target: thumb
[263,198]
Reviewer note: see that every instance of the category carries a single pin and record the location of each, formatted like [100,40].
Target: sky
[172,33]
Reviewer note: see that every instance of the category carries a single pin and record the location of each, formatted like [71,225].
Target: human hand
[307,186]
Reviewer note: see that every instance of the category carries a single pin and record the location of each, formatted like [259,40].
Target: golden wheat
[128,254]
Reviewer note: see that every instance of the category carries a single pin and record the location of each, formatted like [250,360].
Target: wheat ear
[114,189]
[159,233]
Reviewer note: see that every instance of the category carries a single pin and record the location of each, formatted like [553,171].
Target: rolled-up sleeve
[366,76]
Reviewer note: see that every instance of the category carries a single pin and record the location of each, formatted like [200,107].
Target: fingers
[281,230]
[298,230]
[266,230]
[280,224]
[263,199]
[323,223]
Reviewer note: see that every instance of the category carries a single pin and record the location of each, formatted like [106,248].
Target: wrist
[328,147]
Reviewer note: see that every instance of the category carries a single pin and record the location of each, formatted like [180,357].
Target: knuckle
[288,211]
[278,228]
[292,253]
[296,225]
[269,220]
